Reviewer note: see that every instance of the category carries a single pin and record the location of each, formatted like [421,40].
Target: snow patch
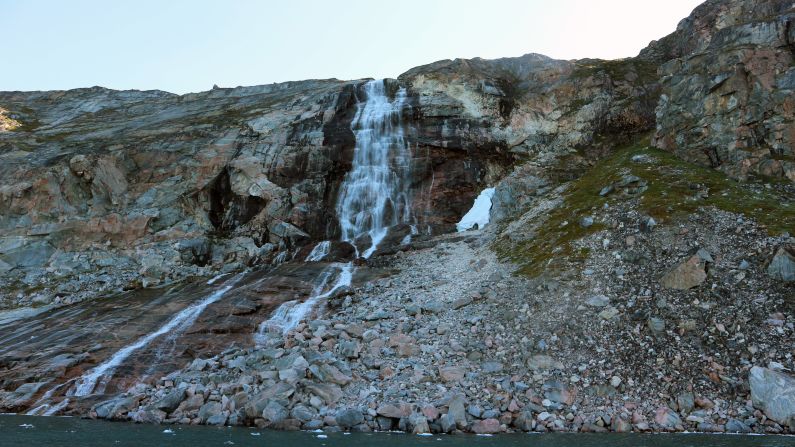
[479,213]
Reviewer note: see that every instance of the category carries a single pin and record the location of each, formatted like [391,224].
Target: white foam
[319,252]
[289,314]
[216,278]
[374,193]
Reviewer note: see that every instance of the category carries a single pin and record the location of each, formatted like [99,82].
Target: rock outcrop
[729,90]
[154,187]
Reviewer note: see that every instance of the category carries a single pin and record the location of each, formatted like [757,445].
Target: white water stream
[374,194]
[319,252]
[86,384]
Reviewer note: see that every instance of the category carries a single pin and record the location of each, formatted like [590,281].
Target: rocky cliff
[154,187]
[639,262]
[727,97]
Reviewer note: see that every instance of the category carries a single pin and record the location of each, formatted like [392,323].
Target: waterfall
[374,194]
[320,251]
[373,197]
[179,323]
[289,314]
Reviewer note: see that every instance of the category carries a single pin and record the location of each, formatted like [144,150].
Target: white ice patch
[479,213]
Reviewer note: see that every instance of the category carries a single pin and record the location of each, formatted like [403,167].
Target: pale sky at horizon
[186,46]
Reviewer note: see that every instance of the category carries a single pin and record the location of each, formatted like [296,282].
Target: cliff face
[728,97]
[103,190]
[149,182]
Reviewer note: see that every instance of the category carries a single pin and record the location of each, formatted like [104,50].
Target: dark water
[73,432]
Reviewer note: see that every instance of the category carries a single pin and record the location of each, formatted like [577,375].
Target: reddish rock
[486,426]
[452,373]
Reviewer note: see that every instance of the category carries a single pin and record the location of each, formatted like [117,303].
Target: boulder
[349,417]
[773,392]
[542,362]
[686,275]
[452,373]
[782,266]
[486,426]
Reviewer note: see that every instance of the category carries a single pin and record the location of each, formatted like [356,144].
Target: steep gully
[374,196]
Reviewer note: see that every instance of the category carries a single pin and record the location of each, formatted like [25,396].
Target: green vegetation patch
[617,69]
[673,188]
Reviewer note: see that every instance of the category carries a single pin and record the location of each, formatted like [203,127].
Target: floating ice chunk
[480,212]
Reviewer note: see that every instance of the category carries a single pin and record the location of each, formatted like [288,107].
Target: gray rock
[686,402]
[462,302]
[647,224]
[447,423]
[328,392]
[303,413]
[171,400]
[349,348]
[274,412]
[773,392]
[475,410]
[737,426]
[685,275]
[656,325]
[542,362]
[490,414]
[704,255]
[456,410]
[667,418]
[598,301]
[608,313]
[418,424]
[525,421]
[212,408]
[349,417]
[782,266]
[586,222]
[217,419]
[491,367]
[314,424]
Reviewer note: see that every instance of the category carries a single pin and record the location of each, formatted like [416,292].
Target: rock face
[774,393]
[148,182]
[104,190]
[590,249]
[728,92]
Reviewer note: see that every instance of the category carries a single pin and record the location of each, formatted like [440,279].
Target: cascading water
[319,252]
[373,196]
[86,384]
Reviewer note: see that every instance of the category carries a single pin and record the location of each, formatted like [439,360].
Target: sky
[188,45]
